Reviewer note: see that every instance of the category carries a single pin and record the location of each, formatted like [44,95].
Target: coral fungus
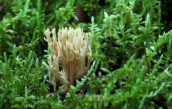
[71,48]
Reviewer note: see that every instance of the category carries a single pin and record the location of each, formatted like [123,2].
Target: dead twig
[3,7]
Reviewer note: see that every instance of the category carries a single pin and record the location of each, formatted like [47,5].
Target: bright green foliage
[5,38]
[23,103]
[63,15]
[131,54]
[19,75]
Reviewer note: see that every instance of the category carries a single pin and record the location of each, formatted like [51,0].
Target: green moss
[131,62]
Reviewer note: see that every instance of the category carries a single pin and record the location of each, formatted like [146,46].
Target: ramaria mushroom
[70,48]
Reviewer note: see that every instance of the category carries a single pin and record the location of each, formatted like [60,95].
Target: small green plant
[18,76]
